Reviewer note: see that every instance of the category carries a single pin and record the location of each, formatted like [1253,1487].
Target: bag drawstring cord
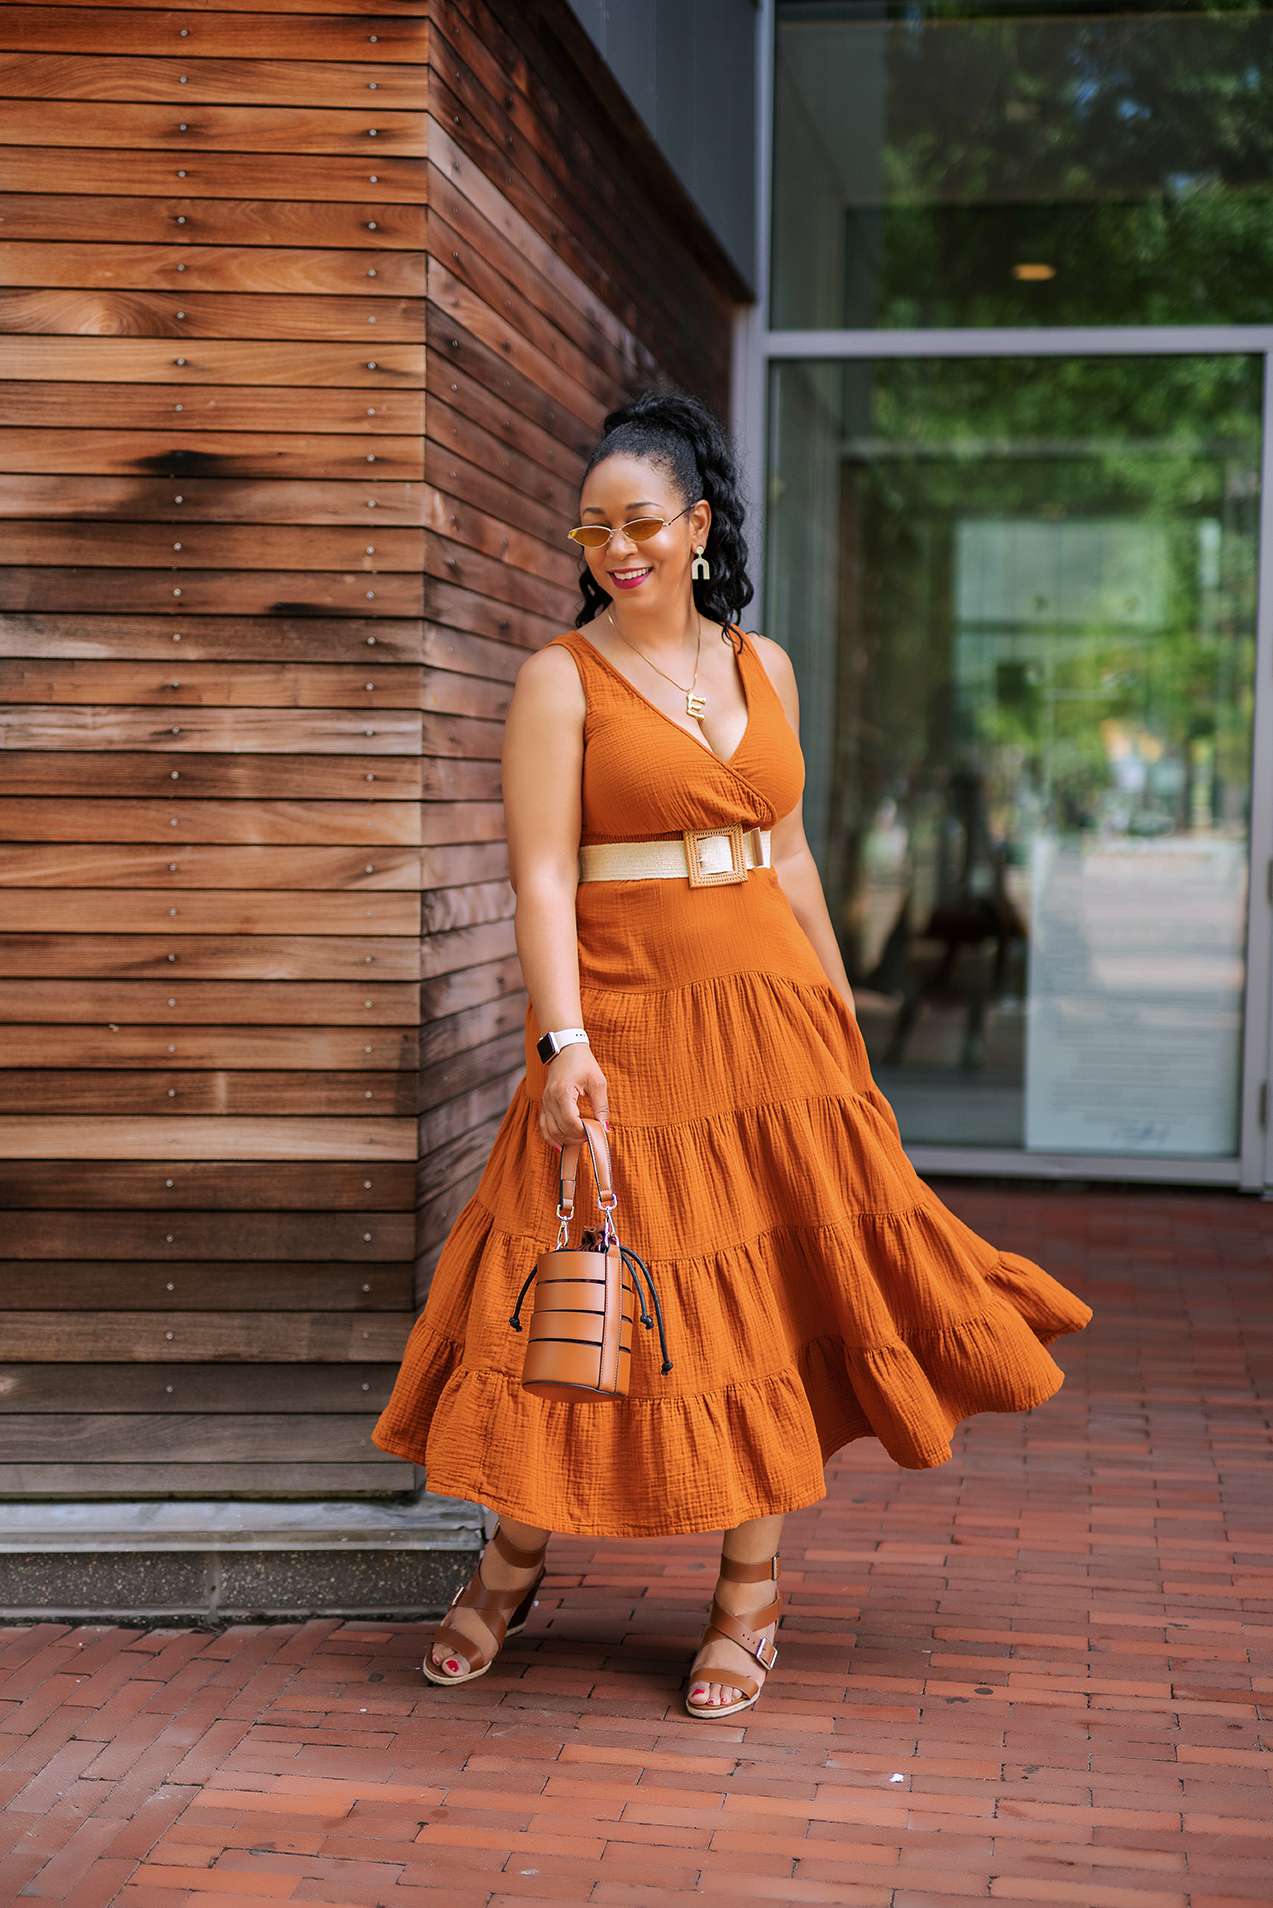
[516,1320]
[629,1259]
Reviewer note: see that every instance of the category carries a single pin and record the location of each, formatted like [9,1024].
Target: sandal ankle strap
[734,1572]
[519,1559]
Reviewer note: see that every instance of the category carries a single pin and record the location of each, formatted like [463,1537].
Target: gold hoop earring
[700,568]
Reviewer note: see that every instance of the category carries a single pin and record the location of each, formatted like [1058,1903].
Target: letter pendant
[694,705]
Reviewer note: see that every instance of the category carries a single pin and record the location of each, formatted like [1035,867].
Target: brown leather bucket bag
[586,1298]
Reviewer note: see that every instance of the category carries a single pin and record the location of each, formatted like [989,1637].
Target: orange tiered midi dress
[815,1290]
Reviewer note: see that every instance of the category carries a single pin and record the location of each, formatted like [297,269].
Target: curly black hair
[683,438]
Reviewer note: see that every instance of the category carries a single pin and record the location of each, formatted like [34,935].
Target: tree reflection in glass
[938,166]
[1032,585]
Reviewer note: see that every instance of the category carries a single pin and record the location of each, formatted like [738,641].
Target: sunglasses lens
[641,529]
[591,535]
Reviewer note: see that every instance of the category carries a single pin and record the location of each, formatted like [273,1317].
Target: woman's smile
[631,575]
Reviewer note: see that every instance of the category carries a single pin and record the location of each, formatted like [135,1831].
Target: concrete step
[237,1560]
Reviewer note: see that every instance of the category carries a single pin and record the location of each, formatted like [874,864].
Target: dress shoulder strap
[594,673]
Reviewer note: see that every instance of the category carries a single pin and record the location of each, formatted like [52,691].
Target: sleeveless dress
[814,1289]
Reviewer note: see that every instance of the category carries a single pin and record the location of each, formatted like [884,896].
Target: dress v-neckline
[700,741]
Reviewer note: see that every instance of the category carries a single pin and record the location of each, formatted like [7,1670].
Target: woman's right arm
[543,775]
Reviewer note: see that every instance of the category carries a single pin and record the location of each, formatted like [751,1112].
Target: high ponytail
[682,437]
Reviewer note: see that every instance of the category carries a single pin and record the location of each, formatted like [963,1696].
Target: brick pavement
[1042,1674]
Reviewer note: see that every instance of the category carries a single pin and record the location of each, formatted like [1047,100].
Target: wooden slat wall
[261,613]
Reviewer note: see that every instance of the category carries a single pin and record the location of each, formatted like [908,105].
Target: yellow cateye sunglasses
[595,536]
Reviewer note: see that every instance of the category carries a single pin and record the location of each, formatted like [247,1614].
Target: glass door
[1020,597]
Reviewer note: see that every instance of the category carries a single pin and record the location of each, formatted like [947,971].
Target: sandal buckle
[766,1654]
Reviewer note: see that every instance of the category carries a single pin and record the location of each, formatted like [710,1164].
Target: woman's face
[654,574]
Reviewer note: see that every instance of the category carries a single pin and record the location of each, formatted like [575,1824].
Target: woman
[814,1289]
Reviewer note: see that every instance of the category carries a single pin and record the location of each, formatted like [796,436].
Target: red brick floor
[1041,1674]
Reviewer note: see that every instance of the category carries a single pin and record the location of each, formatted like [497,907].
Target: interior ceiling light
[1034,272]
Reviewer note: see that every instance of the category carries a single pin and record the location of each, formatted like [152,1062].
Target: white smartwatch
[552,1043]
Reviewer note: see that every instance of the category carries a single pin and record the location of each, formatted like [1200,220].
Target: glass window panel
[978,166]
[1019,595]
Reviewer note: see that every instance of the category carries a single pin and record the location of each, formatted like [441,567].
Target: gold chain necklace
[694,705]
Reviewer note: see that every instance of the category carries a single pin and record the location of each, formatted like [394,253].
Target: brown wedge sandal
[504,1612]
[724,1624]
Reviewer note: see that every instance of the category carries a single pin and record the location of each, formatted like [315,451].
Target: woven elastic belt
[705,857]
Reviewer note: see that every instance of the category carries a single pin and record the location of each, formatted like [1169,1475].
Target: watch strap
[552,1043]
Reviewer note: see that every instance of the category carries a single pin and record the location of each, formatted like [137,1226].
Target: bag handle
[599,1153]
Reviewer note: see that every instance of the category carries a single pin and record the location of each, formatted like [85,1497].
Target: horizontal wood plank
[187,1005]
[275,639]
[289,1482]
[212,500]
[126,1437]
[386,8]
[170,1236]
[186,683]
[219,453]
[366,551]
[196,1387]
[98,219]
[253,777]
[146,361]
[307,270]
[40,1136]
[275,732]
[470,906]
[87,1181]
[185,866]
[199,592]
[273,36]
[66,311]
[191,85]
[228,407]
[287,957]
[244,1337]
[297,1047]
[119,1091]
[85,1286]
[379,824]
[219,911]
[72,170]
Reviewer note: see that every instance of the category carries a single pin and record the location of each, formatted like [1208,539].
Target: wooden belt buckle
[701,877]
